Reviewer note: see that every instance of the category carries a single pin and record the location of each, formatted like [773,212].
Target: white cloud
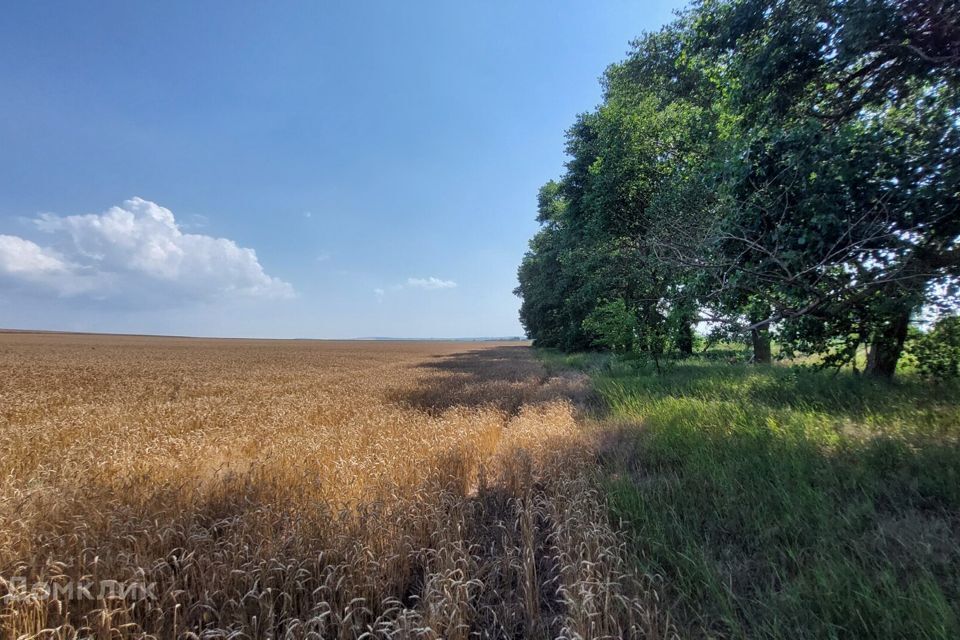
[22,256]
[25,264]
[135,252]
[430,283]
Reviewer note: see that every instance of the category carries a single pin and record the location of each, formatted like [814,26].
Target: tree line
[758,166]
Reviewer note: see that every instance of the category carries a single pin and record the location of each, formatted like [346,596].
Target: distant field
[300,489]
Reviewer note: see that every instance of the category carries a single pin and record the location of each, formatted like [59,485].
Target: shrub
[613,326]
[937,352]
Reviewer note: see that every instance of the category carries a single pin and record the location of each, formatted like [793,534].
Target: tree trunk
[887,345]
[761,345]
[685,339]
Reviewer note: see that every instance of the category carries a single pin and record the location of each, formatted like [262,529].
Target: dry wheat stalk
[301,490]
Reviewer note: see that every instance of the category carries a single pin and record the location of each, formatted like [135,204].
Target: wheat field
[301,489]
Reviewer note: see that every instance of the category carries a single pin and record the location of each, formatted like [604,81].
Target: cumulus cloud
[22,256]
[136,251]
[25,264]
[430,283]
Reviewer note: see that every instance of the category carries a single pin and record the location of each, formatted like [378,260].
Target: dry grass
[302,490]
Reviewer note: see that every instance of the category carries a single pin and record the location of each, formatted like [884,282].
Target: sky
[287,169]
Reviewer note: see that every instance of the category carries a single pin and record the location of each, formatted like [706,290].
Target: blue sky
[314,169]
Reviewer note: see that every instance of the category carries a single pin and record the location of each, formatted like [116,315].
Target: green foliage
[557,361]
[780,502]
[613,326]
[763,163]
[937,353]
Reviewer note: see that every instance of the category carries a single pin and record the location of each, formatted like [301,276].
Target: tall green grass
[788,503]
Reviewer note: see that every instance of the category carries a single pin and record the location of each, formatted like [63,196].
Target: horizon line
[213,337]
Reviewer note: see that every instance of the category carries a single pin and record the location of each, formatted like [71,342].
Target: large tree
[788,163]
[833,200]
[621,156]
[843,193]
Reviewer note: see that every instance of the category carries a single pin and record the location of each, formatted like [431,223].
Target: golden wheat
[268,489]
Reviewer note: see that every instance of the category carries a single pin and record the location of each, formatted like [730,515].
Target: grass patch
[783,502]
[555,360]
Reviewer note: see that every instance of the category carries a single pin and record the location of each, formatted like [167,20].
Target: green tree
[838,177]
[787,164]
